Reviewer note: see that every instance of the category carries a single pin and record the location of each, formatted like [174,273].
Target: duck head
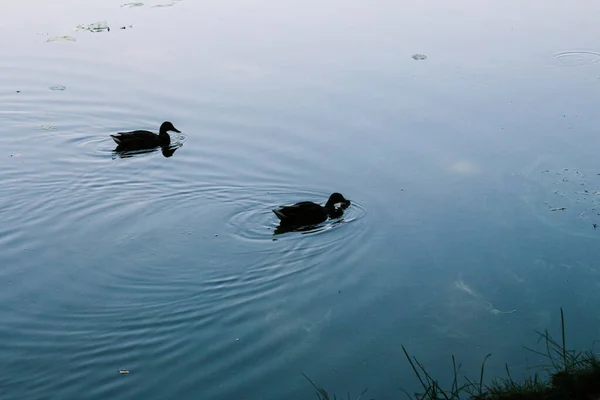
[167,127]
[337,198]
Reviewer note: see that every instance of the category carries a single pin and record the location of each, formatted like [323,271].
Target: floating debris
[95,27]
[548,191]
[172,3]
[62,38]
[57,88]
[130,5]
[47,128]
[16,155]
[419,57]
[124,371]
[18,91]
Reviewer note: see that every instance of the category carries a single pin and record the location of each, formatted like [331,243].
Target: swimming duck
[309,213]
[139,140]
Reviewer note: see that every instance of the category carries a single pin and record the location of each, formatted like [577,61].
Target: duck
[140,140]
[307,213]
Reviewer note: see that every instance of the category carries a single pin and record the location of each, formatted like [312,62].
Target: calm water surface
[458,167]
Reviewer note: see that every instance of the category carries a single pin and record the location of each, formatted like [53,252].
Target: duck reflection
[285,228]
[166,151]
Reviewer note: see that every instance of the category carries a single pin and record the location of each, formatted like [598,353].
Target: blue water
[168,267]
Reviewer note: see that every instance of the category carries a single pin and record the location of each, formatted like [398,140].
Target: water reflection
[286,228]
[121,152]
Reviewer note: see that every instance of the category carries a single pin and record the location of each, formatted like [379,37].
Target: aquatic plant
[568,374]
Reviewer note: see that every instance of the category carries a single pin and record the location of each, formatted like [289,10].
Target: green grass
[567,374]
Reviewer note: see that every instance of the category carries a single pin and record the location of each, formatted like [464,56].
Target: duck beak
[176,130]
[346,204]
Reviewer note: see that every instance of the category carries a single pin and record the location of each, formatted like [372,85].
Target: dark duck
[144,140]
[307,213]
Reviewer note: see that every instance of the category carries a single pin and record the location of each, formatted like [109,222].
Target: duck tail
[116,139]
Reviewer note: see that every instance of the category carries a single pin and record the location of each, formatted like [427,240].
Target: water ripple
[114,262]
[577,58]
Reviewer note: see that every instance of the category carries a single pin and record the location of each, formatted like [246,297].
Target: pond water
[464,134]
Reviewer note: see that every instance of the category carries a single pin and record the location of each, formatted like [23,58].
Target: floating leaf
[58,87]
[419,57]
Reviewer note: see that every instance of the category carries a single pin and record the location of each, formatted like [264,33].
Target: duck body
[141,140]
[306,213]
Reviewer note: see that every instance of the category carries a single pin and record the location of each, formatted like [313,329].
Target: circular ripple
[577,58]
[93,146]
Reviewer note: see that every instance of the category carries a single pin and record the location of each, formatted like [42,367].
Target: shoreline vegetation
[568,374]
